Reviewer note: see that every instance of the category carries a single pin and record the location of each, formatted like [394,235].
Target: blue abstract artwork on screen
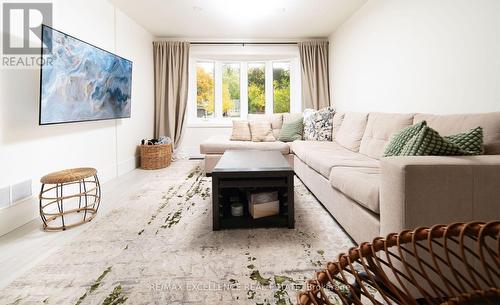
[80,82]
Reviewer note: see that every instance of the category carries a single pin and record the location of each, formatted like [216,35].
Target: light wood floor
[24,247]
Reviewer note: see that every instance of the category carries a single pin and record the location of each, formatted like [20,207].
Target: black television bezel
[41,75]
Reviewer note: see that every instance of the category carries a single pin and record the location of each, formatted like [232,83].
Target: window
[231,90]
[205,94]
[281,87]
[256,88]
[222,90]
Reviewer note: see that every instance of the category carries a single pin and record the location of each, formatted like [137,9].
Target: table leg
[215,203]
[291,200]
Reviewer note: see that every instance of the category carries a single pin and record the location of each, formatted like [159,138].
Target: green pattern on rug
[160,249]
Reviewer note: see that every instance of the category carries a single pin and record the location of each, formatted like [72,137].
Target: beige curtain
[314,74]
[171,60]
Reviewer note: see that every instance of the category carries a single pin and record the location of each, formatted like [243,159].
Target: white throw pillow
[241,131]
[261,131]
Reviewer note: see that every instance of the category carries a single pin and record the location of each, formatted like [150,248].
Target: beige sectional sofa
[372,196]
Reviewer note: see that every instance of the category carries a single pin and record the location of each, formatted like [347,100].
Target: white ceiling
[237,19]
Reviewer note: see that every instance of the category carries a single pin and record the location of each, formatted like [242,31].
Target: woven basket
[156,156]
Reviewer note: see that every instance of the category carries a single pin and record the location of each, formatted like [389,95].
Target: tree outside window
[219,85]
[205,90]
[281,87]
[231,90]
[256,88]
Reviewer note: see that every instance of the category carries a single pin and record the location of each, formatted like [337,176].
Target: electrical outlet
[4,197]
[21,190]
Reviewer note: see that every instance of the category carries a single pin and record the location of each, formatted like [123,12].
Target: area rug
[159,248]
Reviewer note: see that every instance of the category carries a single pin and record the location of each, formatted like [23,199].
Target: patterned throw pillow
[399,139]
[292,131]
[241,131]
[309,124]
[318,125]
[428,142]
[261,131]
[421,140]
[471,141]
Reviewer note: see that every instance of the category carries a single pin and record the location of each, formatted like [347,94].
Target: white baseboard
[18,214]
[128,165]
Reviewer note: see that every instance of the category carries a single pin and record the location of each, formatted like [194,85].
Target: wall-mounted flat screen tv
[81,82]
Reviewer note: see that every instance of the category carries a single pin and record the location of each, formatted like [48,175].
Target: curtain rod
[242,43]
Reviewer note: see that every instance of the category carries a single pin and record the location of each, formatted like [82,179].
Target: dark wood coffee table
[240,171]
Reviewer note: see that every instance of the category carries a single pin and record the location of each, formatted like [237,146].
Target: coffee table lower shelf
[240,173]
[243,222]
[226,185]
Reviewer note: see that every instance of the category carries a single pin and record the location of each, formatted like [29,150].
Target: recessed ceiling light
[197,8]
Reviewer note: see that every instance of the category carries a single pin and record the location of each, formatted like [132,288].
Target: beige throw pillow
[261,131]
[241,131]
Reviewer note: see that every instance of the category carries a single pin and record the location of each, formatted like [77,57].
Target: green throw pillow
[428,142]
[399,140]
[421,140]
[471,141]
[292,131]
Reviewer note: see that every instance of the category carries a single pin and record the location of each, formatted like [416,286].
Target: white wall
[439,56]
[28,151]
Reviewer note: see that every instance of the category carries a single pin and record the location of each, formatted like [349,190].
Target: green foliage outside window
[281,85]
[204,92]
[256,88]
[231,89]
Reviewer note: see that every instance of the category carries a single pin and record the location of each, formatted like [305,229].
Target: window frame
[218,120]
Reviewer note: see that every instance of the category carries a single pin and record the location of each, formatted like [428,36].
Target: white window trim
[218,120]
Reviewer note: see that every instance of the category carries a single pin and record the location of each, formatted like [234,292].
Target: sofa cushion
[379,129]
[452,124]
[338,118]
[352,129]
[302,148]
[361,184]
[219,144]
[322,156]
[241,131]
[276,121]
[261,131]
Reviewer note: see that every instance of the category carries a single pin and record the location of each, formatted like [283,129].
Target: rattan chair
[454,264]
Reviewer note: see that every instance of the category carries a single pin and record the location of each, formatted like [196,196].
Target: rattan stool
[85,191]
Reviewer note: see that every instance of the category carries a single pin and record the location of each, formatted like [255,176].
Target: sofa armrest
[423,191]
